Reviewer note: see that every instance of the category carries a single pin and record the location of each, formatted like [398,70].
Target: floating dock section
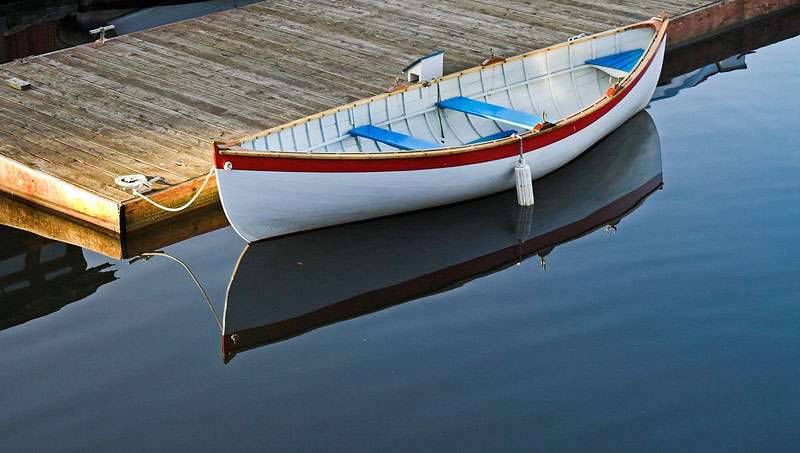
[152,102]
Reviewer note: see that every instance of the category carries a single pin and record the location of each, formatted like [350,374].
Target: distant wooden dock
[152,102]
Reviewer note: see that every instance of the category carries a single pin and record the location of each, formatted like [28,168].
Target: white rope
[135,182]
[194,278]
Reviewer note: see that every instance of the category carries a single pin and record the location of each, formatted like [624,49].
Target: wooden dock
[152,102]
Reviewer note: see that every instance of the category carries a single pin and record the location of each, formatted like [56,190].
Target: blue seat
[491,111]
[396,139]
[618,64]
[497,136]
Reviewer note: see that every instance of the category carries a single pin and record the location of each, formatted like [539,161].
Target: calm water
[681,331]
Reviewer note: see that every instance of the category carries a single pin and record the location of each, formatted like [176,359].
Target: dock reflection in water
[40,276]
[671,87]
[284,287]
[691,65]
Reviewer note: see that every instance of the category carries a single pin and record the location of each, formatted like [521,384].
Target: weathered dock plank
[152,102]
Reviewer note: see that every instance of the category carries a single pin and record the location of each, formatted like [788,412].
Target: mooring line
[135,182]
[148,255]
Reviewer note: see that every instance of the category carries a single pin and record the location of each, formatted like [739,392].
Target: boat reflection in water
[40,276]
[284,287]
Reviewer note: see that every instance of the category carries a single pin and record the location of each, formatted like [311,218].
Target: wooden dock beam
[59,195]
[24,215]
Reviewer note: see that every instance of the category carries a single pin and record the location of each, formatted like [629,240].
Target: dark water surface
[681,331]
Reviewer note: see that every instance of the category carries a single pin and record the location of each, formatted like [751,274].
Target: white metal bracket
[102,32]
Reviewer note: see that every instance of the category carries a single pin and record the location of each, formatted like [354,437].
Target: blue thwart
[623,61]
[491,111]
[396,139]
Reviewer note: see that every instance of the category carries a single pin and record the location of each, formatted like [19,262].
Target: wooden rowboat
[288,286]
[442,141]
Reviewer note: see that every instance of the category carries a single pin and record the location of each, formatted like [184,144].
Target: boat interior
[515,95]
